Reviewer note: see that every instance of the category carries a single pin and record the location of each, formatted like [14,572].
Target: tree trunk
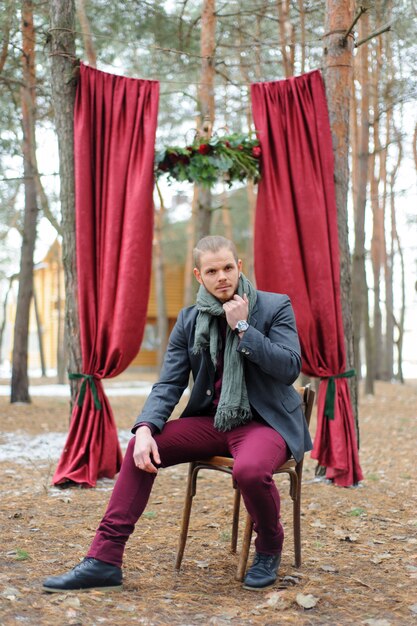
[203,215]
[3,321]
[20,380]
[388,368]
[63,69]
[284,26]
[206,100]
[226,218]
[389,267]
[301,10]
[338,76]
[400,324]
[361,322]
[40,333]
[250,260]
[191,239]
[86,33]
[61,352]
[249,266]
[378,245]
[415,146]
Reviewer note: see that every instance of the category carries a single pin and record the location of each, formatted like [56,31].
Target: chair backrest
[307,395]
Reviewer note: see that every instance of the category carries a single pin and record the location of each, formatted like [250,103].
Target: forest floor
[359,544]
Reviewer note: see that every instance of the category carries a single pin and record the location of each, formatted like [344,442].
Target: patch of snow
[20,447]
[63,391]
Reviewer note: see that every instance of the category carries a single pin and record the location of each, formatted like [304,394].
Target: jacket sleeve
[277,352]
[173,380]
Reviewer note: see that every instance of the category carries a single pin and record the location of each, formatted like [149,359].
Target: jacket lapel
[252,317]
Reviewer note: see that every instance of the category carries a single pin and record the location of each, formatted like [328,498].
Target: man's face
[219,273]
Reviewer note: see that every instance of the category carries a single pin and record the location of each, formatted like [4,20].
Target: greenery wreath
[234,157]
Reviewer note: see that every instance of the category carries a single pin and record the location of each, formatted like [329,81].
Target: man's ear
[198,275]
[239,265]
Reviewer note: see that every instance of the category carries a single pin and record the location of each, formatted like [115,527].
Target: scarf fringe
[226,419]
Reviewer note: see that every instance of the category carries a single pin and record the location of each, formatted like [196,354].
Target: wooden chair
[225,464]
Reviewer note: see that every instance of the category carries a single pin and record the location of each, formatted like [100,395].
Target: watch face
[242,326]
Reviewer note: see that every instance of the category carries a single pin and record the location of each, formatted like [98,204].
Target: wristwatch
[241,326]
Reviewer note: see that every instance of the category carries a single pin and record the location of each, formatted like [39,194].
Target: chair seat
[227,461]
[225,464]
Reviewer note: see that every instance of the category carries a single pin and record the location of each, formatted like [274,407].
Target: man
[242,348]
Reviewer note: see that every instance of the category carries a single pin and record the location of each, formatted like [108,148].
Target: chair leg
[244,552]
[185,517]
[297,519]
[297,531]
[235,526]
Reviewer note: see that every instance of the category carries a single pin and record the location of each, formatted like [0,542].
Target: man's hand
[146,451]
[236,309]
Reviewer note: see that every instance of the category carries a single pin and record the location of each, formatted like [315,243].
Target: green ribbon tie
[88,379]
[331,392]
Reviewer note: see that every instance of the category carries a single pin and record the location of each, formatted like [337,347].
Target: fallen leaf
[10,591]
[413,608]
[72,602]
[343,536]
[318,524]
[377,622]
[349,538]
[275,600]
[307,601]
[381,557]
[329,568]
[290,580]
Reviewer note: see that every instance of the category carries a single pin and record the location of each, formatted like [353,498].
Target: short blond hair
[213,243]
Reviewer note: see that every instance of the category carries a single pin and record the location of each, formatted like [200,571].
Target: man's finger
[155,453]
[148,466]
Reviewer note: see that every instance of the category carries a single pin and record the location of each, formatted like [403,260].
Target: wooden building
[47,317]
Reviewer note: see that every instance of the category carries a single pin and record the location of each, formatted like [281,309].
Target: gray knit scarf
[233,408]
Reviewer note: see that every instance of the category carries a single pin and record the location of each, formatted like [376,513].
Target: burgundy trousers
[257,450]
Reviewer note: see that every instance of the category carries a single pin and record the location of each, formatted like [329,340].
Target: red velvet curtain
[297,249]
[114,134]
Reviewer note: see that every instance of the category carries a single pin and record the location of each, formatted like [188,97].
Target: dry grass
[359,545]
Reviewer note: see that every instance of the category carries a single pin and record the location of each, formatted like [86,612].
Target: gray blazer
[272,362]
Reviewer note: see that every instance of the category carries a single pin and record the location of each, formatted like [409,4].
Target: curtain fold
[297,248]
[114,135]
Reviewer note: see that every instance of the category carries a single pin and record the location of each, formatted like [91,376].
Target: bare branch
[381,30]
[361,11]
[45,204]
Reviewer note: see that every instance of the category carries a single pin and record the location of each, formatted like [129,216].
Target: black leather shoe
[263,571]
[89,574]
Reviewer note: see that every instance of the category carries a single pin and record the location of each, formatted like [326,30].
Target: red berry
[204,148]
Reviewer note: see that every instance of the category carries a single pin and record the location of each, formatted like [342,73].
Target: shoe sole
[258,588]
[53,590]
